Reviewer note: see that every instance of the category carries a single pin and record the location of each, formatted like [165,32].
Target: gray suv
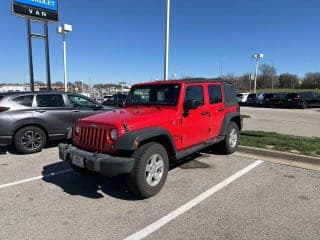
[29,120]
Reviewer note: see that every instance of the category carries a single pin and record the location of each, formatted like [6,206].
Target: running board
[186,152]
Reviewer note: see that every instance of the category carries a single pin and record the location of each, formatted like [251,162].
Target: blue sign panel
[46,4]
[44,10]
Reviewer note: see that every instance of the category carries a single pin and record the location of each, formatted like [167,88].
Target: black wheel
[231,141]
[29,140]
[150,170]
[304,105]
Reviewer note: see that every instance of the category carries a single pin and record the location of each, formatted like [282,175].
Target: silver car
[29,120]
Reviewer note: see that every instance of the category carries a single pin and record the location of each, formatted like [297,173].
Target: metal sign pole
[46,33]
[30,55]
[167,32]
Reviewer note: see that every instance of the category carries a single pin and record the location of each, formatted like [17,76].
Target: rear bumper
[101,163]
[5,140]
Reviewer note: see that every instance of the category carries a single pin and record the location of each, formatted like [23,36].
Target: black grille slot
[93,137]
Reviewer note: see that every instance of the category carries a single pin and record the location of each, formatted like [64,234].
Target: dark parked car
[265,99]
[29,120]
[303,100]
[116,100]
[279,100]
[251,99]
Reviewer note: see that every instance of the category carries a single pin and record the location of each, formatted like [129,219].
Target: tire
[29,140]
[230,144]
[150,170]
[304,105]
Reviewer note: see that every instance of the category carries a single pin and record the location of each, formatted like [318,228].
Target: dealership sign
[45,10]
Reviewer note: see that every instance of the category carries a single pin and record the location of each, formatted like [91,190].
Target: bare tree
[311,80]
[268,76]
[287,80]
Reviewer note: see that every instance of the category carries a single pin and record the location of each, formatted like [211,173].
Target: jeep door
[195,122]
[216,108]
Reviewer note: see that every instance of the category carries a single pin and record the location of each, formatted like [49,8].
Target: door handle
[75,110]
[220,109]
[41,111]
[204,113]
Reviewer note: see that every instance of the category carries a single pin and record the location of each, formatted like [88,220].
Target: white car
[242,97]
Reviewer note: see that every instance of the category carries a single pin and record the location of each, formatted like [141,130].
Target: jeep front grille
[94,137]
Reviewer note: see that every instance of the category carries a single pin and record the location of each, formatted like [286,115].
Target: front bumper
[101,163]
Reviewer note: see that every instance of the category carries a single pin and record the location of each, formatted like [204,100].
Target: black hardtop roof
[188,80]
[195,80]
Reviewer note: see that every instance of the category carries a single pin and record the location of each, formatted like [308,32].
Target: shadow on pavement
[94,186]
[7,149]
[88,185]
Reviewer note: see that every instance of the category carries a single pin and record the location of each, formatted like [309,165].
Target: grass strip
[274,141]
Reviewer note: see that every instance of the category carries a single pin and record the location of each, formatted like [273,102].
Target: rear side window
[24,100]
[230,94]
[50,100]
[195,93]
[215,95]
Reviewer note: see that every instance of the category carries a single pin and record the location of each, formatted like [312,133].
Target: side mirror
[189,105]
[97,107]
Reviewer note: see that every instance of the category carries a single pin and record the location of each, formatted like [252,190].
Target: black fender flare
[227,118]
[130,141]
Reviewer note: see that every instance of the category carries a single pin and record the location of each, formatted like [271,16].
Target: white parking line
[35,178]
[186,207]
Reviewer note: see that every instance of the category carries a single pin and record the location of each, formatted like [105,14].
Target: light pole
[166,51]
[63,30]
[257,57]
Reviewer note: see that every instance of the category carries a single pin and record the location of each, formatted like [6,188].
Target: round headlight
[78,129]
[114,134]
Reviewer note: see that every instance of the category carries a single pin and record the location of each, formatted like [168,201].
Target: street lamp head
[67,27]
[258,56]
[64,29]
[60,30]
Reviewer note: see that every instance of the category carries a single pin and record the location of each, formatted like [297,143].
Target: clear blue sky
[123,40]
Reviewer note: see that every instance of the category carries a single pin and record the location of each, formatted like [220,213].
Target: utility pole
[257,57]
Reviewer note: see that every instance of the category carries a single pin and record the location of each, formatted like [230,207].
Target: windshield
[165,94]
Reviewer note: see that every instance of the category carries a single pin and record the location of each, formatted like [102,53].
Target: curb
[277,154]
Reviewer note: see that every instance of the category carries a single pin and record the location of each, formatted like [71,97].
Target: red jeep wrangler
[160,122]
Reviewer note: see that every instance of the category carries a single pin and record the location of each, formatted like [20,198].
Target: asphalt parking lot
[298,122]
[207,197]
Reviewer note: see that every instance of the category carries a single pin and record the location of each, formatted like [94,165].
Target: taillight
[3,109]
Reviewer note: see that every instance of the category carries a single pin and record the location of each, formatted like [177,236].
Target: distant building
[14,88]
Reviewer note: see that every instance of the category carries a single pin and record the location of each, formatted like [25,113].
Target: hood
[135,117]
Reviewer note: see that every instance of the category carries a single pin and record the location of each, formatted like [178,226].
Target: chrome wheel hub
[154,170]
[31,140]
[233,138]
